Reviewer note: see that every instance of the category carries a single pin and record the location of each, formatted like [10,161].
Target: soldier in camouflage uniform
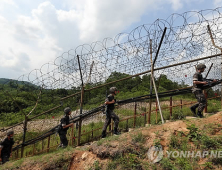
[6,147]
[65,124]
[198,83]
[110,101]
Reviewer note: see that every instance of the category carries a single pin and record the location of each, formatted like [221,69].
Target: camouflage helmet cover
[67,110]
[201,66]
[10,133]
[113,89]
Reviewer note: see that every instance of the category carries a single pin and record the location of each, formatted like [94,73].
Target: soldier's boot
[199,114]
[116,132]
[103,134]
[193,109]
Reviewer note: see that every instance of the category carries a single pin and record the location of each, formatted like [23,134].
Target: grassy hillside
[129,150]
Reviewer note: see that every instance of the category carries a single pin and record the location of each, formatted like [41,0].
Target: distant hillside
[7,81]
[13,83]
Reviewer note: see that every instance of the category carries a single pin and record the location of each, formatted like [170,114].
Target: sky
[35,32]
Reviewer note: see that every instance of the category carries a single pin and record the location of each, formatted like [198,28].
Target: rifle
[210,83]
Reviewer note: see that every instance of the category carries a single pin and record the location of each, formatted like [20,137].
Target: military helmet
[11,132]
[201,66]
[67,110]
[113,89]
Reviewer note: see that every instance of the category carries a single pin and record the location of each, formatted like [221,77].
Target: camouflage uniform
[198,92]
[110,115]
[6,148]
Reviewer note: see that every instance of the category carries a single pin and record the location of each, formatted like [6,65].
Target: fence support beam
[81,104]
[154,84]
[212,39]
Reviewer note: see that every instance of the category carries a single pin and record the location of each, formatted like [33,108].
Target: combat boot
[116,132]
[199,114]
[193,109]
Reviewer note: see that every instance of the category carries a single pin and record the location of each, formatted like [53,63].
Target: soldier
[110,101]
[6,147]
[198,83]
[64,127]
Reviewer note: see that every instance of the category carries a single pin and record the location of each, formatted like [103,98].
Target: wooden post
[150,101]
[17,153]
[79,132]
[48,145]
[24,134]
[145,117]
[74,139]
[42,144]
[112,127]
[72,133]
[205,109]
[181,102]
[156,111]
[171,108]
[134,122]
[33,151]
[127,125]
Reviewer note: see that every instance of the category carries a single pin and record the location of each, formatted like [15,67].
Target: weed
[130,161]
[166,164]
[156,142]
[208,165]
[139,138]
[178,115]
[209,143]
[112,165]
[194,132]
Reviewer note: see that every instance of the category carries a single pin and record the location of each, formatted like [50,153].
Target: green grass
[59,158]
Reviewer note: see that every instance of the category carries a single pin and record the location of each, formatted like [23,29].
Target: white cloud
[45,30]
[176,4]
[217,3]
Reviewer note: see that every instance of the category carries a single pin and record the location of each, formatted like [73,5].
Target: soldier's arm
[64,125]
[69,125]
[0,152]
[199,82]
[107,102]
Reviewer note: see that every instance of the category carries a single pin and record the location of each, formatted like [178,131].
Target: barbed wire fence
[188,39]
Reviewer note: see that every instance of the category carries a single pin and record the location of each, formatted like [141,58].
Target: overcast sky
[35,32]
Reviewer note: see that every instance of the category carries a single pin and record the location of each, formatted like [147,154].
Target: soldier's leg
[5,158]
[106,124]
[193,108]
[116,123]
[202,103]
[63,139]
[115,119]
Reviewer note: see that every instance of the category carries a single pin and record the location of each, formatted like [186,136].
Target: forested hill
[7,81]
[26,94]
